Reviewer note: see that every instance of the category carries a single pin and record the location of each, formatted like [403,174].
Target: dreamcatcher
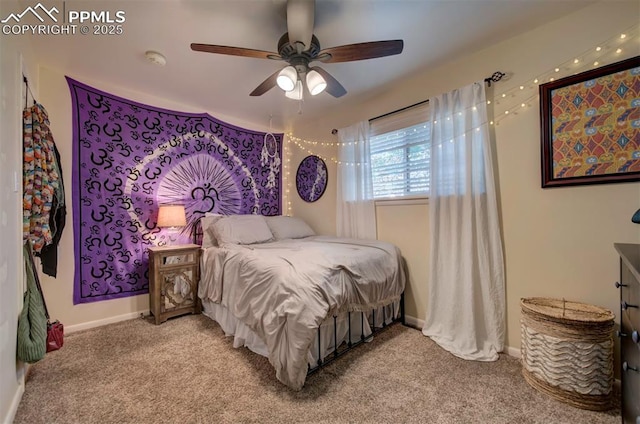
[269,157]
[320,182]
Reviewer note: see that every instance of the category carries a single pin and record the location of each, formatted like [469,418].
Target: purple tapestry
[311,178]
[128,158]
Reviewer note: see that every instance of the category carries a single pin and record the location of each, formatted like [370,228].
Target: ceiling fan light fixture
[287,78]
[296,93]
[315,82]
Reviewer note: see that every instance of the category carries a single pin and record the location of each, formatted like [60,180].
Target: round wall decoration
[311,178]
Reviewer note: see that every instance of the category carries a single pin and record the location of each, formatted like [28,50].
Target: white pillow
[288,227]
[242,229]
[206,224]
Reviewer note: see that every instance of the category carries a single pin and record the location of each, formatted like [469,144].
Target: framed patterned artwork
[590,126]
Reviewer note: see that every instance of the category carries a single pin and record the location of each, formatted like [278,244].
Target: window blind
[400,153]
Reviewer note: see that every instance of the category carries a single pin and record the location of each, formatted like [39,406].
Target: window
[400,153]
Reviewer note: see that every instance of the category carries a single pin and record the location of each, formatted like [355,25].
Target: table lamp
[171,217]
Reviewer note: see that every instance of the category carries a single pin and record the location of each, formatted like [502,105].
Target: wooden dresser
[629,286]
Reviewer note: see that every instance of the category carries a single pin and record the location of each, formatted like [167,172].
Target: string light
[572,66]
[607,52]
[286,178]
[299,144]
[317,143]
[295,141]
[610,46]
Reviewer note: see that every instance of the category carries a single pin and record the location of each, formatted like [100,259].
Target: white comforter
[285,289]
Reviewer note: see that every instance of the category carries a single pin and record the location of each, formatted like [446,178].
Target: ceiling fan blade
[266,85]
[333,86]
[300,20]
[234,51]
[361,51]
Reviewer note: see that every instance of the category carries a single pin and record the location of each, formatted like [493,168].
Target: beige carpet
[186,371]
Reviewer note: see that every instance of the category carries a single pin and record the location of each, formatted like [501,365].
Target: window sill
[401,201]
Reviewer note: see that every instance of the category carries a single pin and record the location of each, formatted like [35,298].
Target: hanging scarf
[40,177]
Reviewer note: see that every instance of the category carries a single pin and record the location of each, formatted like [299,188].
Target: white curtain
[356,213]
[466,303]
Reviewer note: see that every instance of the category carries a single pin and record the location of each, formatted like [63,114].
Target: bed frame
[338,350]
[345,347]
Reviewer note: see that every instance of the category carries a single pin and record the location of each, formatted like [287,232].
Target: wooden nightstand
[174,272]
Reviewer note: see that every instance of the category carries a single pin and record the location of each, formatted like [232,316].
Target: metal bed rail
[322,362]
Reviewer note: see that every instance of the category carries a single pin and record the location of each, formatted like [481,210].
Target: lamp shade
[287,78]
[171,216]
[296,93]
[315,83]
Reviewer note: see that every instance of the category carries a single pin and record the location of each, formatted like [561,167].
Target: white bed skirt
[244,336]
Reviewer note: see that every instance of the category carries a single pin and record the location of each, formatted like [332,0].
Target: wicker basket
[567,351]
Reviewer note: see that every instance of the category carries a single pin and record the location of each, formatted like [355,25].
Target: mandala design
[129,158]
[202,185]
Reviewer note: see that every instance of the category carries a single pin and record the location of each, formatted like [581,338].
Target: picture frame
[590,126]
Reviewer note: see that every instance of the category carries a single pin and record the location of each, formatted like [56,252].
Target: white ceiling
[433,32]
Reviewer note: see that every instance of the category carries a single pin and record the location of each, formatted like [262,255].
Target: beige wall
[407,226]
[321,214]
[558,242]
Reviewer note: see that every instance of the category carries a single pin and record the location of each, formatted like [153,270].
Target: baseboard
[15,402]
[419,323]
[414,322]
[512,351]
[100,322]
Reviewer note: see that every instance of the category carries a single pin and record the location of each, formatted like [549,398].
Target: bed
[293,296]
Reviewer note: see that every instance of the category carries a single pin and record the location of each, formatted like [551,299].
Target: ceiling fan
[298,47]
